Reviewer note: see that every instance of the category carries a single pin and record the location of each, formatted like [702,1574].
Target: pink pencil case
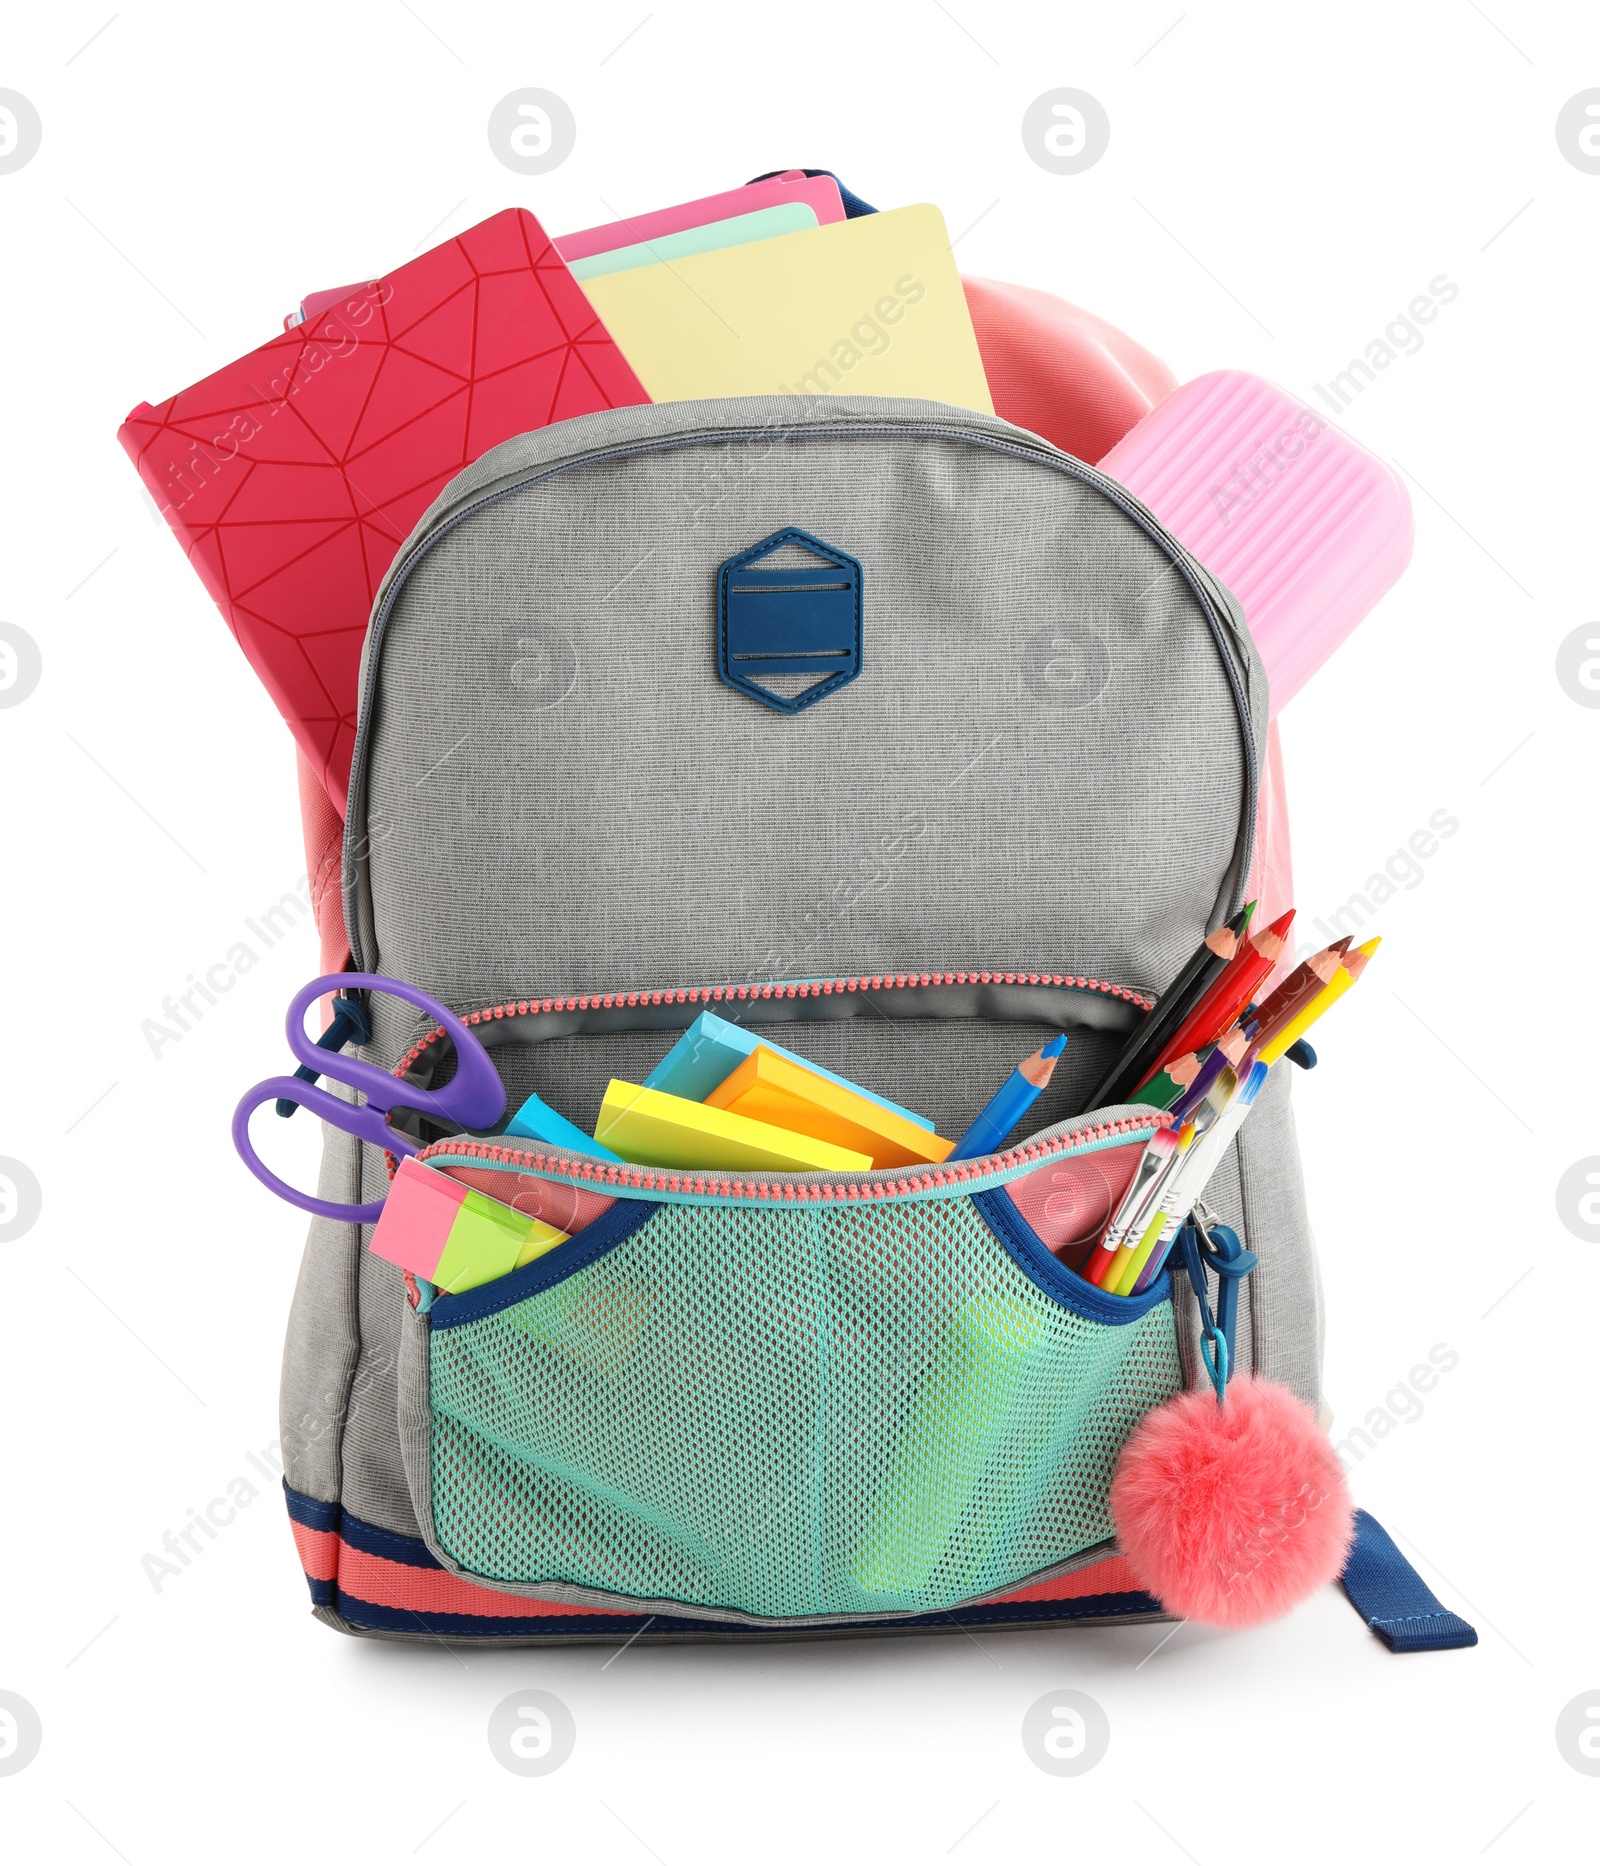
[1305,527]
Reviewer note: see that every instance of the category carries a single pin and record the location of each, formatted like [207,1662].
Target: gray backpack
[887,729]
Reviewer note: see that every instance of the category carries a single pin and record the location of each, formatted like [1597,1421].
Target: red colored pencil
[1226,998]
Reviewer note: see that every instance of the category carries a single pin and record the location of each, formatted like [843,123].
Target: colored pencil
[1296,991]
[1203,1165]
[1164,1088]
[1182,1074]
[1244,974]
[1011,1101]
[1149,1038]
[1353,965]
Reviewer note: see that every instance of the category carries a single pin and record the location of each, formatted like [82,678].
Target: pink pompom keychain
[1231,1509]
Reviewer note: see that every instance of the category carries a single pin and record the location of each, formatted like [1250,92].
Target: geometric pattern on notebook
[292,477]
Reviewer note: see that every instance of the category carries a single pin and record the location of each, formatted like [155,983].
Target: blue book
[711,1049]
[537,1120]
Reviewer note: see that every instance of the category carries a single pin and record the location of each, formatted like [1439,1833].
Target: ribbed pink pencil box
[1307,529]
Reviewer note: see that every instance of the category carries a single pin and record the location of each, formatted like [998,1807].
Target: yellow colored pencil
[1350,969]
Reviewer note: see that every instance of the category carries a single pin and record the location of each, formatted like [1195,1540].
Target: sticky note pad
[652,1129]
[764,224]
[711,1049]
[871,306]
[537,1120]
[437,1228]
[771,1088]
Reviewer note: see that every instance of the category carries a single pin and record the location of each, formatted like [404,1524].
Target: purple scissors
[473,1098]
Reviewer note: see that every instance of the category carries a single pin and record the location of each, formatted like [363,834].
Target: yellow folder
[653,1129]
[771,1088]
[871,306]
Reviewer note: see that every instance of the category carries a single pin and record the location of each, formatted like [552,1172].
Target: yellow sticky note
[653,1129]
[871,306]
[771,1088]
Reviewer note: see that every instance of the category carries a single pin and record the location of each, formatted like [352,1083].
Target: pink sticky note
[415,1222]
[819,192]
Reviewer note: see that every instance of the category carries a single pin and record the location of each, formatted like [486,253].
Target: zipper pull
[350,1024]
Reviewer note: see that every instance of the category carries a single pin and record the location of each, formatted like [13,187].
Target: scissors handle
[474,1097]
[365,1123]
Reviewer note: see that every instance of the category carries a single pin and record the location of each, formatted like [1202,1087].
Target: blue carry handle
[1393,1598]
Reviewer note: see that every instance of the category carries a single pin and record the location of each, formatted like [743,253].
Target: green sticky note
[484,1243]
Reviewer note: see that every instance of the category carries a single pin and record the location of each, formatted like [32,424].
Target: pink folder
[819,192]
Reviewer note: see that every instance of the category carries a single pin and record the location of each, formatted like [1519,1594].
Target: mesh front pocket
[790,1412]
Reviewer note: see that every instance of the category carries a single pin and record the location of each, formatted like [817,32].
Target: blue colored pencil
[1016,1095]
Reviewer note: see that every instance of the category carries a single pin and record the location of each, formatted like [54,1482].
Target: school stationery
[1217,1008]
[651,1129]
[537,1120]
[435,1227]
[765,224]
[1270,1046]
[772,1088]
[871,306]
[819,193]
[711,1049]
[473,1098]
[1149,1263]
[1306,528]
[1155,1163]
[1169,1085]
[1225,1053]
[1295,992]
[1150,1037]
[1011,1101]
[1106,1265]
[292,477]
[1176,1194]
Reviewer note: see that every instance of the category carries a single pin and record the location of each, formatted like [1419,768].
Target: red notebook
[293,476]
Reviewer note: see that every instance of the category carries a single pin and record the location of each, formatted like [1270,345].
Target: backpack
[773,1404]
[999,781]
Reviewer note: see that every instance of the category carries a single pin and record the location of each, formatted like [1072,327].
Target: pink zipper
[747,994]
[606,1173]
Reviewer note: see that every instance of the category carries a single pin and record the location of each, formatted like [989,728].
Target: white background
[1280,182]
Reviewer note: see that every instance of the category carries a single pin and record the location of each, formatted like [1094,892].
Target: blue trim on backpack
[1393,1599]
[410,1552]
[310,1512]
[583,1248]
[369,1539]
[1034,1258]
[369,1616]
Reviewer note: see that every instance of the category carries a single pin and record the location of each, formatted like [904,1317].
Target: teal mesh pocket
[791,1412]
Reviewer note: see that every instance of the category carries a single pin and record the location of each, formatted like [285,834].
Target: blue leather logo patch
[786,623]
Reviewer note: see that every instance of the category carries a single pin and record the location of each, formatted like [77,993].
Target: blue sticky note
[711,1049]
[537,1120]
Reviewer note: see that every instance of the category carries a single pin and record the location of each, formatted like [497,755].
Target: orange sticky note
[784,1094]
